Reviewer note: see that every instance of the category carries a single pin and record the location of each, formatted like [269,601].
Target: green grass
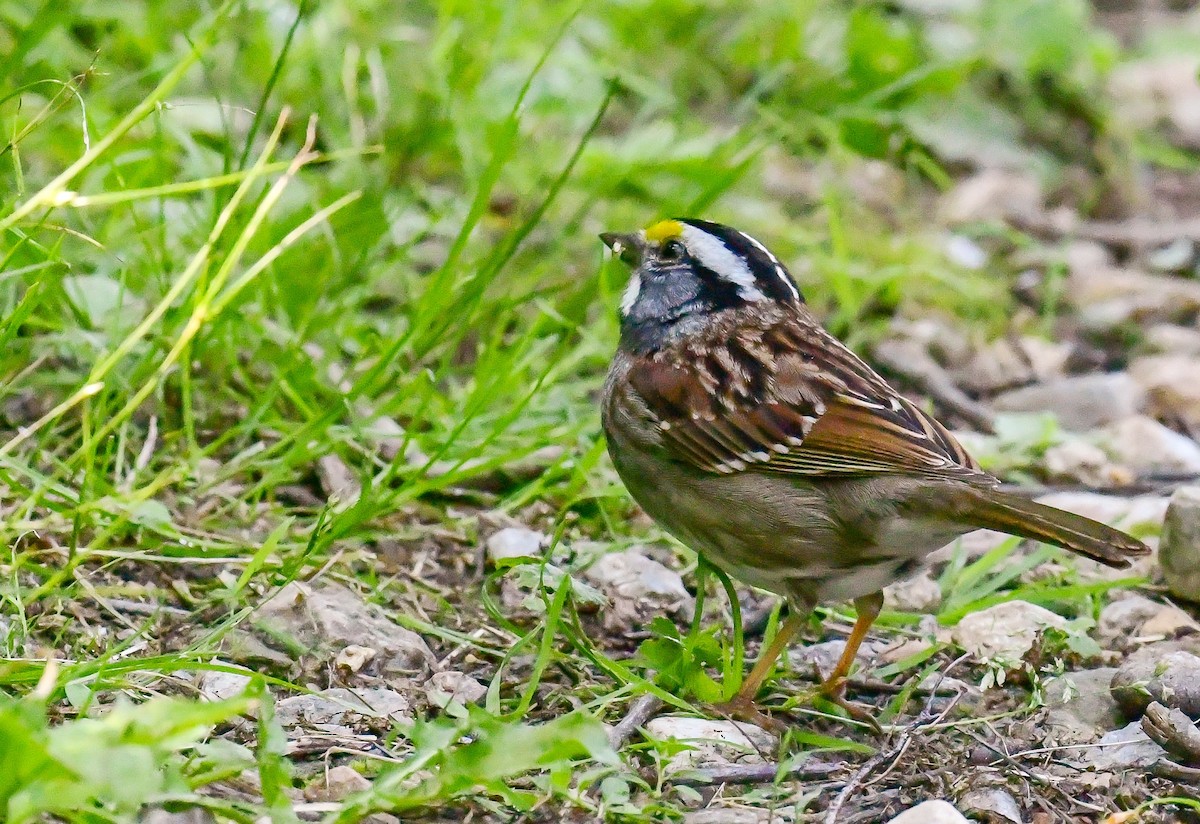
[236,238]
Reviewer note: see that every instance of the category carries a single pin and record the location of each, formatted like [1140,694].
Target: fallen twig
[1174,732]
[755,773]
[1176,772]
[640,711]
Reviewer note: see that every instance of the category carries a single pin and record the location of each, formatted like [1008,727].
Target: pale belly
[787,536]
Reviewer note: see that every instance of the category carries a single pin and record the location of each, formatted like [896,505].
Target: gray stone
[734,815]
[1159,90]
[1111,296]
[1136,619]
[1176,256]
[1006,632]
[1173,680]
[1123,749]
[1172,385]
[389,438]
[514,542]
[931,812]
[1146,446]
[1080,402]
[450,686]
[1179,547]
[336,783]
[337,481]
[824,656]
[326,618]
[1167,338]
[1081,461]
[342,707]
[920,593]
[992,194]
[991,804]
[965,252]
[639,585]
[1079,706]
[219,686]
[712,743]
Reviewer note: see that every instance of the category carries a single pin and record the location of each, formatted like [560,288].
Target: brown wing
[789,398]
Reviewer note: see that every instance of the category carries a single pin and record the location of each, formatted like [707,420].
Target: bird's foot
[833,690]
[743,708]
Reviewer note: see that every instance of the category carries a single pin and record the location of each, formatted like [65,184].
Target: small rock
[1006,632]
[1078,460]
[1179,547]
[447,686]
[824,656]
[1172,384]
[1112,296]
[1166,338]
[1136,619]
[638,586]
[341,706]
[1160,90]
[353,658]
[1080,707]
[337,481]
[1123,749]
[713,743]
[965,252]
[515,542]
[1176,256]
[1006,363]
[1047,358]
[991,804]
[390,437]
[1086,256]
[219,686]
[1146,447]
[327,617]
[992,195]
[931,812]
[1002,364]
[732,815]
[1172,680]
[337,783]
[1080,402]
[917,594]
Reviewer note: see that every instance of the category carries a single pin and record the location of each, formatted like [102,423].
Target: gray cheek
[660,295]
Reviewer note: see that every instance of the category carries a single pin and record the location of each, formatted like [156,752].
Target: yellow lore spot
[664,230]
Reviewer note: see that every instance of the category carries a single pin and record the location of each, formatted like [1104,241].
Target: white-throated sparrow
[756,438]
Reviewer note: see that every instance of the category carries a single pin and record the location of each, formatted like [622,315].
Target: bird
[759,440]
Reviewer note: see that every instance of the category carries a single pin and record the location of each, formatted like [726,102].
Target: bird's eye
[672,251]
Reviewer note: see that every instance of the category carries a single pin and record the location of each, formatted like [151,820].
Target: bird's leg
[766,659]
[834,687]
[742,705]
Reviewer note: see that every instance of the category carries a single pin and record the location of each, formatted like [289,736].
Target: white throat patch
[631,293]
[713,254]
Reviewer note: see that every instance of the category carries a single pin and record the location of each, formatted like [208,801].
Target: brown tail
[1029,519]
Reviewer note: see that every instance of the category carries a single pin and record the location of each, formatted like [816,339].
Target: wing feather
[789,398]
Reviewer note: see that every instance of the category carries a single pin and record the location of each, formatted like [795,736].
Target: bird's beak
[627,246]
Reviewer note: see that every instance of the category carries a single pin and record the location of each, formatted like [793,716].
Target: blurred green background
[206,355]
